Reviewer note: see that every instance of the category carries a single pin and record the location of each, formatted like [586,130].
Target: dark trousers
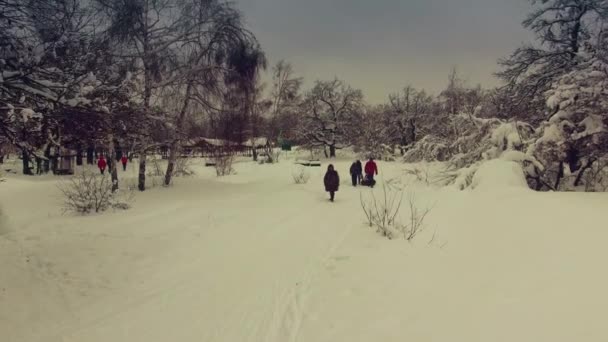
[355,178]
[102,170]
[124,166]
[369,178]
[332,194]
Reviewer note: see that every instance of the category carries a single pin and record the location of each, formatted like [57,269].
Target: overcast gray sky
[380,46]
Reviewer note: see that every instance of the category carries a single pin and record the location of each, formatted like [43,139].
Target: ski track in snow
[275,314]
[253,257]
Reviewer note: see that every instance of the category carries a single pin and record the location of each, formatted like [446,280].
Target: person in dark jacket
[356,172]
[360,172]
[331,181]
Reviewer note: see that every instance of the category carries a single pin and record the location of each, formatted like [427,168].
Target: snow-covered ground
[254,257]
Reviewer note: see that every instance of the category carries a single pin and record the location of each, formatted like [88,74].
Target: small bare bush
[183,168]
[223,165]
[300,175]
[383,213]
[423,174]
[90,192]
[155,169]
[415,224]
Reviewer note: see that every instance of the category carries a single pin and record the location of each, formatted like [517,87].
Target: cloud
[382,45]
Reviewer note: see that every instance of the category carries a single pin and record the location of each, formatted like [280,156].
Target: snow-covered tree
[575,137]
[47,49]
[330,115]
[562,28]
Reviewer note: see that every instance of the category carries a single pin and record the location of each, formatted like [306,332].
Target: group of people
[332,179]
[102,163]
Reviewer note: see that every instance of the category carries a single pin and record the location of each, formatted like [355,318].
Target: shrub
[182,168]
[383,213]
[300,175]
[90,192]
[223,165]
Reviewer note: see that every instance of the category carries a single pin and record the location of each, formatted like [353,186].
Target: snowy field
[255,257]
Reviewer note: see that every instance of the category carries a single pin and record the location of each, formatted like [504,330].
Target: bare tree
[331,111]
[404,112]
[285,98]
[453,95]
[207,60]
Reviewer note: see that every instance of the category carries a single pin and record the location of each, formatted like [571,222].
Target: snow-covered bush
[300,175]
[596,178]
[383,213]
[499,174]
[429,148]
[90,192]
[422,174]
[470,140]
[223,165]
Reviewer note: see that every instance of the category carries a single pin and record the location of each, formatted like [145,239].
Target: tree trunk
[579,177]
[38,165]
[90,155]
[47,160]
[175,144]
[332,151]
[26,162]
[79,155]
[112,162]
[141,183]
[255,154]
[560,175]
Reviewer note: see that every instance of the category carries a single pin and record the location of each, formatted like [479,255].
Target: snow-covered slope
[254,257]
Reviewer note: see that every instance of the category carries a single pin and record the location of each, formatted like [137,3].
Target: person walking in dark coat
[353,173]
[356,172]
[332,182]
[359,172]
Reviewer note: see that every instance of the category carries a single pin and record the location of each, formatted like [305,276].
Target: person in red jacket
[101,164]
[371,169]
[124,161]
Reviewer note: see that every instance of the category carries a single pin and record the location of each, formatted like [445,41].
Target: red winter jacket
[101,163]
[124,159]
[371,168]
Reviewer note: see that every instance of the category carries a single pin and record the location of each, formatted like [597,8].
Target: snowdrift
[498,174]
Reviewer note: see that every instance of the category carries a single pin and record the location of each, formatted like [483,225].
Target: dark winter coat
[331,179]
[356,168]
[101,163]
